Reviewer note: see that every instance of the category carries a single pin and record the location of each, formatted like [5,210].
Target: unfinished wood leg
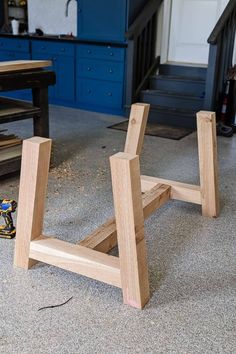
[136,129]
[33,184]
[130,228]
[207,148]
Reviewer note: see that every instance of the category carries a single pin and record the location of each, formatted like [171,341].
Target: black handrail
[221,22]
[141,53]
[221,42]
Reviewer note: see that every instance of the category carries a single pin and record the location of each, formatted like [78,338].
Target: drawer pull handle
[110,71]
[89,69]
[109,94]
[111,54]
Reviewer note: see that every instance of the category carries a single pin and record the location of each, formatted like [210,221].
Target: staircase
[176,94]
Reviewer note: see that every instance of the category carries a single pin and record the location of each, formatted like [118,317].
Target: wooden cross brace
[135,198]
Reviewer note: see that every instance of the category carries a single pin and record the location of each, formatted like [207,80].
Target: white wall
[49,16]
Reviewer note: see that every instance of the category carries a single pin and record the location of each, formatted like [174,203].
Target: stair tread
[178,78]
[171,93]
[183,70]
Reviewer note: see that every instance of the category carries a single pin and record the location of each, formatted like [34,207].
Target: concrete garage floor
[192,259]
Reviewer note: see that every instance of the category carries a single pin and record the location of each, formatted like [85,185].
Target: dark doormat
[163,131]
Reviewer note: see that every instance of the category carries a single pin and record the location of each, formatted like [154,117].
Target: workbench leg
[41,122]
[126,186]
[33,185]
[207,148]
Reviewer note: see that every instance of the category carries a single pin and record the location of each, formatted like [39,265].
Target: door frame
[165,36]
[166,30]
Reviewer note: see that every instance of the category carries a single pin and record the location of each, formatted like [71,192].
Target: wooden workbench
[19,75]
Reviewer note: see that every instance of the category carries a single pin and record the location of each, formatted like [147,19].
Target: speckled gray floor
[192,259]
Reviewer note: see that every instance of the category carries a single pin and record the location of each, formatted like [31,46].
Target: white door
[191,24]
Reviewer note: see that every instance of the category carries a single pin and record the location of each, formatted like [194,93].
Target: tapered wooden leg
[136,129]
[33,185]
[130,228]
[207,148]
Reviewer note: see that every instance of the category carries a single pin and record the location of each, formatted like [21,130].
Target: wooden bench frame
[135,198]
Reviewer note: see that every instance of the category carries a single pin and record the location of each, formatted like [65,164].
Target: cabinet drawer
[103,70]
[53,47]
[18,45]
[7,55]
[100,52]
[99,93]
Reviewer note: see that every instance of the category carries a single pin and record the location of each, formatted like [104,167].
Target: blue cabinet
[46,56]
[106,20]
[7,55]
[62,56]
[100,77]
[87,76]
[102,96]
[102,19]
[15,49]
[15,44]
[100,69]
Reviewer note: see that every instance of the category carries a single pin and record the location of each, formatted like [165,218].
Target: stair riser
[194,88]
[172,119]
[188,71]
[171,101]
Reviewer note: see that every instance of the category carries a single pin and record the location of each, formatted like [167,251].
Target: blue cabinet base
[88,107]
[111,111]
[27,96]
